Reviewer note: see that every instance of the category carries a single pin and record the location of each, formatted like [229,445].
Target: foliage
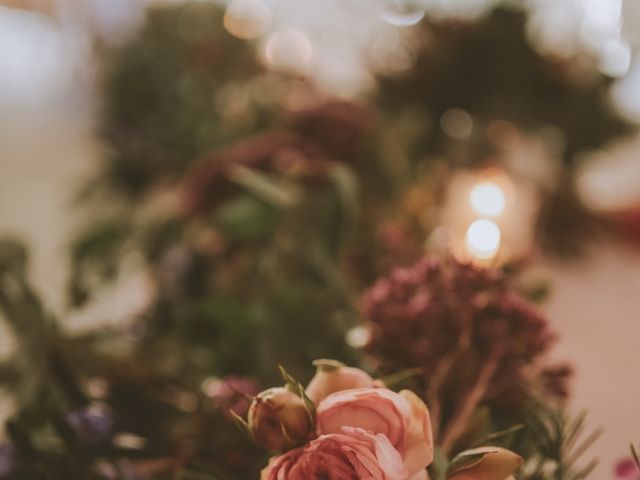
[259,210]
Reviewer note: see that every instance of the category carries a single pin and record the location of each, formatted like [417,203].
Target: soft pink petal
[419,437]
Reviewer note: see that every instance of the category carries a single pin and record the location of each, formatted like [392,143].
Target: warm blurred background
[503,132]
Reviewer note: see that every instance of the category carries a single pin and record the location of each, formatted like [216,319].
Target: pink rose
[353,453]
[401,417]
[334,377]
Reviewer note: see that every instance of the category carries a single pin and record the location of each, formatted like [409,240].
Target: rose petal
[419,436]
[326,382]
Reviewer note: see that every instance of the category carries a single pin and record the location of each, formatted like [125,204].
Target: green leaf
[290,383]
[245,218]
[327,365]
[499,434]
[278,194]
[309,406]
[13,257]
[438,469]
[241,423]
[466,459]
[296,387]
[636,458]
[346,185]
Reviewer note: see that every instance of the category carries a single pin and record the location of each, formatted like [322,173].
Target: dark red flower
[444,314]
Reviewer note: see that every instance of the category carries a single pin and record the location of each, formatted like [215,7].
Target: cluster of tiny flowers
[420,315]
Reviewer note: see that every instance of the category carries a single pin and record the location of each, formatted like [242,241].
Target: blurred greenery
[277,218]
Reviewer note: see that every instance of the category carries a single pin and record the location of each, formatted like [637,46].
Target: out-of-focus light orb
[615,59]
[129,441]
[608,179]
[36,60]
[247,19]
[483,239]
[459,9]
[402,13]
[389,53]
[288,50]
[487,199]
[625,93]
[212,386]
[358,337]
[456,123]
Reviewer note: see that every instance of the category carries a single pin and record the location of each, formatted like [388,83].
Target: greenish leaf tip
[327,364]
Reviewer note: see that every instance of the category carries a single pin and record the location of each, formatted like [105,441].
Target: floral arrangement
[115,414]
[346,425]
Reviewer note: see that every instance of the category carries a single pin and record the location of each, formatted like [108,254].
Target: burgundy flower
[555,380]
[473,335]
[210,181]
[338,126]
[627,470]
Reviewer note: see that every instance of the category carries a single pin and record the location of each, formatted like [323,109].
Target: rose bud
[279,420]
[484,463]
[334,377]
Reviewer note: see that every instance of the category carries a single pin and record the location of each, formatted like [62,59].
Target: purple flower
[231,393]
[7,459]
[121,470]
[93,423]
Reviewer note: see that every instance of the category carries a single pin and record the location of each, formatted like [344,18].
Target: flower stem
[468,405]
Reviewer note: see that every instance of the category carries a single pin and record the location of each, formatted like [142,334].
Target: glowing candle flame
[487,199]
[483,239]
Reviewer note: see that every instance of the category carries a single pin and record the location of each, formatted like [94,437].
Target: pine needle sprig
[561,442]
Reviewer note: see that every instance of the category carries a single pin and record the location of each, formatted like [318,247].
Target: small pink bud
[279,420]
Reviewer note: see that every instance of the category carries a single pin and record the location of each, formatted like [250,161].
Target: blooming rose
[484,463]
[351,454]
[333,377]
[401,417]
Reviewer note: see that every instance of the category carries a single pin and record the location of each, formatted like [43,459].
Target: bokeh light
[625,94]
[288,50]
[616,58]
[456,123]
[488,199]
[483,239]
[247,18]
[402,13]
[358,336]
